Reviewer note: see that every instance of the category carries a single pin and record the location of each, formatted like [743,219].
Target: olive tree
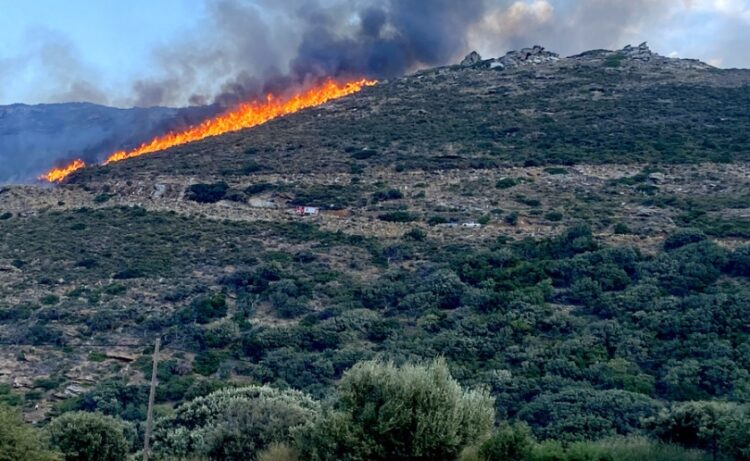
[82,436]
[412,412]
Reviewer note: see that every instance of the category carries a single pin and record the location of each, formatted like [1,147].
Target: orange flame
[58,174]
[246,115]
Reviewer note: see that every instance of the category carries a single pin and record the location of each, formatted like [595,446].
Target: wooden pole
[151,396]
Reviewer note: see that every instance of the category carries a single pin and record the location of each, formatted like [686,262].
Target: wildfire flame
[245,115]
[58,174]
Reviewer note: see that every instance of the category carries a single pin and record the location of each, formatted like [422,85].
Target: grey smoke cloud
[253,47]
[246,48]
[263,47]
[51,63]
[711,30]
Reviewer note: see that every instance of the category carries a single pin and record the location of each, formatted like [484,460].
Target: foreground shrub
[84,436]
[722,429]
[20,442]
[514,443]
[233,424]
[509,443]
[278,452]
[412,412]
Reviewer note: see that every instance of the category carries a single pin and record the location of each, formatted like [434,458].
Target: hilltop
[570,232]
[533,111]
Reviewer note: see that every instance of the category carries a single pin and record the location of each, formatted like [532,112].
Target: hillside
[571,233]
[34,138]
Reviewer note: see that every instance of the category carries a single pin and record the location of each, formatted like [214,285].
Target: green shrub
[233,424]
[278,452]
[89,437]
[555,170]
[717,427]
[507,183]
[614,60]
[508,443]
[409,412]
[207,193]
[511,218]
[739,262]
[554,216]
[20,442]
[399,216]
[207,363]
[641,449]
[621,229]
[384,195]
[102,198]
[49,300]
[683,237]
[204,309]
[586,414]
[416,234]
[259,188]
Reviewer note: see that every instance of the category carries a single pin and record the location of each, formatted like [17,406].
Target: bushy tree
[587,414]
[683,237]
[413,412]
[739,262]
[233,424]
[722,429]
[20,442]
[82,436]
[508,443]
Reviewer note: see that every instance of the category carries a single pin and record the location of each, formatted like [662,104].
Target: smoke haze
[246,48]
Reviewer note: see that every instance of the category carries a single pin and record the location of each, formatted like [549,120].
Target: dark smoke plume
[309,41]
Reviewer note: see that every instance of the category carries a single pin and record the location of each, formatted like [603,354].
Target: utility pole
[151,396]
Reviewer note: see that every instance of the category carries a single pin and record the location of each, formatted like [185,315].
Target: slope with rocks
[523,217]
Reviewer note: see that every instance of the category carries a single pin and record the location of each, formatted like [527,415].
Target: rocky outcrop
[641,53]
[516,58]
[525,56]
[471,59]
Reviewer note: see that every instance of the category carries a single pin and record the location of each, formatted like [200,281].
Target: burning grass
[246,115]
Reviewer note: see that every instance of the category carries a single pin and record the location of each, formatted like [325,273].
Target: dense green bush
[20,442]
[207,193]
[89,437]
[683,237]
[233,424]
[508,443]
[507,183]
[721,429]
[739,262]
[586,414]
[384,195]
[390,413]
[399,216]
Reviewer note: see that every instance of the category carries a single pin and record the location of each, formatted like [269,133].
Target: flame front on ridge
[245,115]
[58,174]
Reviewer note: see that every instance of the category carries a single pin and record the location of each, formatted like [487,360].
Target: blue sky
[106,51]
[110,41]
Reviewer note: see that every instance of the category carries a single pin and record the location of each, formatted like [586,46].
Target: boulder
[471,59]
[527,56]
[121,356]
[641,53]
